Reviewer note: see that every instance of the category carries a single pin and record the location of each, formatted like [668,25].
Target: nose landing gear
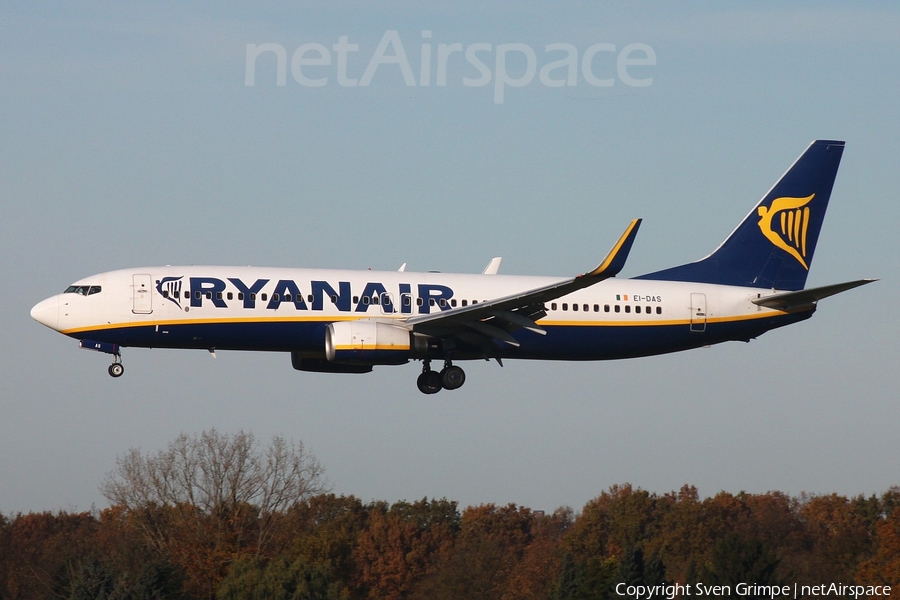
[117,368]
[449,378]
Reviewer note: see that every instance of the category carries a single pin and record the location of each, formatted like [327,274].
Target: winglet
[615,260]
[493,266]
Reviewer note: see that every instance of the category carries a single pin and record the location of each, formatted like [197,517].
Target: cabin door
[143,295]
[698,313]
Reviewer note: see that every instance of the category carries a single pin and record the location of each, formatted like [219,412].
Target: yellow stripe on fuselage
[213,321]
[545,322]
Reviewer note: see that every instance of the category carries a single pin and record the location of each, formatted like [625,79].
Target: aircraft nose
[46,312]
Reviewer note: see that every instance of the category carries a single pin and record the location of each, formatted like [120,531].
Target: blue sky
[131,139]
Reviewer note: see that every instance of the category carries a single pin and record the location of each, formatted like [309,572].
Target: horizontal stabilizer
[792,301]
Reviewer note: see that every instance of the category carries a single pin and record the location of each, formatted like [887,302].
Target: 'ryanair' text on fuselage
[286,291]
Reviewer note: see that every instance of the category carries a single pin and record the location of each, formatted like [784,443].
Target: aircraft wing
[805,299]
[479,324]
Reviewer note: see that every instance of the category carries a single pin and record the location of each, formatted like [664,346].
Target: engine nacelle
[367,343]
[320,365]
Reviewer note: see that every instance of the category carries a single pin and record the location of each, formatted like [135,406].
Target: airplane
[348,321]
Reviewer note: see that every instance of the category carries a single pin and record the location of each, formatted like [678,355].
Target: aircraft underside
[306,343]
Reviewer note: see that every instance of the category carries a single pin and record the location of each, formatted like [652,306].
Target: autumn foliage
[310,544]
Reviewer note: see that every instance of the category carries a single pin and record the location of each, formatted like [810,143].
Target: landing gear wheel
[429,382]
[452,378]
[116,369]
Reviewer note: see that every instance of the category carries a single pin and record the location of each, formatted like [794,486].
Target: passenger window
[218,295]
[453,303]
[165,293]
[230,295]
[574,307]
[264,297]
[618,308]
[431,302]
[565,306]
[628,308]
[355,299]
[465,302]
[197,295]
[649,309]
[596,308]
[406,300]
[374,299]
[275,298]
[553,306]
[333,298]
[209,295]
[187,295]
[659,310]
[253,297]
[420,302]
[240,295]
[366,300]
[606,308]
[310,298]
[637,309]
[443,302]
[585,307]
[287,297]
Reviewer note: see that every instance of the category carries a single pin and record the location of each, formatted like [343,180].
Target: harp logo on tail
[788,231]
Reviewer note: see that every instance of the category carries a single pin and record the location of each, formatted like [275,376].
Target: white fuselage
[281,309]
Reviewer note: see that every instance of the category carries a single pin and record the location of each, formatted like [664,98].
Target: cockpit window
[83,290]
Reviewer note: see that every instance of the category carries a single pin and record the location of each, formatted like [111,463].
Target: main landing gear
[449,378]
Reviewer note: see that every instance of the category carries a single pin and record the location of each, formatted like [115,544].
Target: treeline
[333,547]
[217,516]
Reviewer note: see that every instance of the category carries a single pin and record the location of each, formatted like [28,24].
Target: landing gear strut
[449,378]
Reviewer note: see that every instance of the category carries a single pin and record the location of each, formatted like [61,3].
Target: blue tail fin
[773,246]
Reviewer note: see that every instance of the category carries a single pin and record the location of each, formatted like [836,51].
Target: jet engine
[367,343]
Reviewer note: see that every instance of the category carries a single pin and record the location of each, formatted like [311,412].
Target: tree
[884,566]
[840,537]
[324,529]
[212,498]
[278,579]
[736,560]
[401,544]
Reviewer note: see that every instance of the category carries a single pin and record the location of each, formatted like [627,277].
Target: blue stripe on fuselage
[562,342]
